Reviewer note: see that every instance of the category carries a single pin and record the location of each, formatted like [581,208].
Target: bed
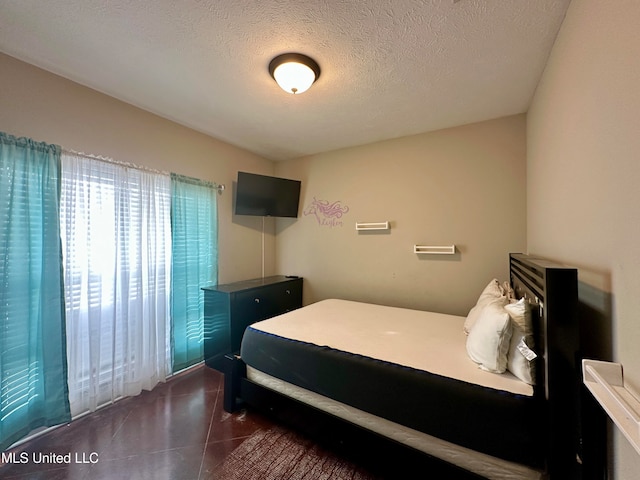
[399,386]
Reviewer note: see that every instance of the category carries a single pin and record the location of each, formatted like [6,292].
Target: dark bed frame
[552,290]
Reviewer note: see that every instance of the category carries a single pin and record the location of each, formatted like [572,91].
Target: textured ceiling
[390,68]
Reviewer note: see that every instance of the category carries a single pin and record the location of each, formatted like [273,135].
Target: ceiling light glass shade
[294,72]
[294,77]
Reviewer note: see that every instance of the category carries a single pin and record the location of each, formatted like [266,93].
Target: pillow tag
[526,351]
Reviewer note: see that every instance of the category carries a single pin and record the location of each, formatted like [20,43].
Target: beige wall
[46,107]
[584,175]
[462,186]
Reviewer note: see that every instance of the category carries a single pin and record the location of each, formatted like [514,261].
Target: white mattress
[428,341]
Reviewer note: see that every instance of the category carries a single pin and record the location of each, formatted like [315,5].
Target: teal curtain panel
[194,226]
[33,369]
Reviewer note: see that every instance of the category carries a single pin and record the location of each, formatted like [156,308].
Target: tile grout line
[206,442]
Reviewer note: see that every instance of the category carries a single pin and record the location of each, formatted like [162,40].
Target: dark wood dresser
[230,308]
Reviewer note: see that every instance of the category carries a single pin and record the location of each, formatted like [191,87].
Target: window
[117,261]
[87,288]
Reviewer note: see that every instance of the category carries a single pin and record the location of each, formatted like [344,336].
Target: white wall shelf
[434,250]
[606,382]
[365,226]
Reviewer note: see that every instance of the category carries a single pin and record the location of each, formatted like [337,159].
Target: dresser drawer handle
[288,292]
[257,300]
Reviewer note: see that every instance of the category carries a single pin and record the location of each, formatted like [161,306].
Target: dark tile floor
[178,431]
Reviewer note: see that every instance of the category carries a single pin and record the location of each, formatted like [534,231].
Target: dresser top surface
[249,284]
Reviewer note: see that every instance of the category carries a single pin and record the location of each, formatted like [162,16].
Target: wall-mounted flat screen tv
[265,196]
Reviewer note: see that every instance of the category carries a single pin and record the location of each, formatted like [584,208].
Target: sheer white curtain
[116,236]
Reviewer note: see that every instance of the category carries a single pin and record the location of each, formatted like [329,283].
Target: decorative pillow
[489,339]
[521,355]
[491,292]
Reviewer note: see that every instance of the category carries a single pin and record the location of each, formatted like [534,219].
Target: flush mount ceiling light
[294,72]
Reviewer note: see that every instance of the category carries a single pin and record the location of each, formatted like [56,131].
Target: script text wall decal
[328,214]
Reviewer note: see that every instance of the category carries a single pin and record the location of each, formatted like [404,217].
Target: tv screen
[266,196]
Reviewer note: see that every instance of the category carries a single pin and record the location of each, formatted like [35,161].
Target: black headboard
[552,291]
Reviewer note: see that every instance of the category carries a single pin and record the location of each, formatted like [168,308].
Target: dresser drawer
[280,298]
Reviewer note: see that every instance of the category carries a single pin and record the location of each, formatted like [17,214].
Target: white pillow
[521,355]
[489,339]
[490,293]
